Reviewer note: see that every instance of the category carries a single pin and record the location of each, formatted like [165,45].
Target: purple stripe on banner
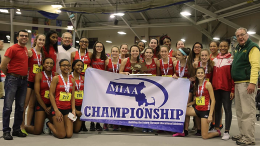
[158,125]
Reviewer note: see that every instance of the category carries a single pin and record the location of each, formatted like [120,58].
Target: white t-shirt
[63,54]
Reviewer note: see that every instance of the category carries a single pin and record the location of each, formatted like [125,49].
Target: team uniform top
[186,73]
[155,54]
[210,56]
[87,61]
[80,83]
[164,67]
[110,66]
[52,54]
[208,75]
[61,88]
[19,60]
[170,53]
[31,66]
[98,64]
[151,68]
[44,87]
[128,66]
[205,93]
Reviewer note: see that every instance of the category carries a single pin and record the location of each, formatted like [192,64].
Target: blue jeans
[14,87]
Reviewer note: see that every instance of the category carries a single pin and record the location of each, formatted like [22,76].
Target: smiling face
[66,39]
[180,56]
[23,38]
[83,43]
[148,53]
[223,48]
[213,47]
[54,38]
[180,44]
[167,42]
[99,47]
[200,74]
[78,67]
[164,52]
[134,52]
[141,46]
[204,56]
[40,42]
[153,43]
[242,36]
[65,67]
[197,48]
[124,49]
[48,64]
[115,52]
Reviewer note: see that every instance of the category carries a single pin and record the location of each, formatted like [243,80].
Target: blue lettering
[95,110]
[115,112]
[132,112]
[179,113]
[156,116]
[124,112]
[139,113]
[148,112]
[164,112]
[104,112]
[86,111]
[172,114]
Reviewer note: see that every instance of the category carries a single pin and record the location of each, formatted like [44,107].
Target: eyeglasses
[66,65]
[99,46]
[22,36]
[66,38]
[241,35]
[197,47]
[84,42]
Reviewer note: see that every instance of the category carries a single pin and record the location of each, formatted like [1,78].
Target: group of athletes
[54,95]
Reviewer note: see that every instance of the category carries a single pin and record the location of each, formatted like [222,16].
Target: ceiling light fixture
[121,32]
[4,11]
[58,11]
[77,41]
[216,38]
[18,9]
[185,13]
[57,6]
[18,13]
[108,41]
[251,32]
[144,41]
[116,14]
[183,40]
[28,30]
[70,27]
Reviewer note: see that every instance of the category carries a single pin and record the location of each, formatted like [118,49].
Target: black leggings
[223,97]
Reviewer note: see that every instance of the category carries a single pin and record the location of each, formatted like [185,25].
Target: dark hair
[103,53]
[158,46]
[46,59]
[147,49]
[197,81]
[217,43]
[225,40]
[47,41]
[165,36]
[140,42]
[186,50]
[180,41]
[139,52]
[210,62]
[191,58]
[22,31]
[62,60]
[80,40]
[75,62]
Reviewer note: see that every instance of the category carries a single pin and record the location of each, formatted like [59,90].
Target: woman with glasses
[63,102]
[82,54]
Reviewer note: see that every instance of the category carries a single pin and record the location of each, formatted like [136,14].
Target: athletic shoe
[24,131]
[92,126]
[226,136]
[237,137]
[83,126]
[145,130]
[115,127]
[213,130]
[219,132]
[18,133]
[212,126]
[7,136]
[178,135]
[221,126]
[105,127]
[46,129]
[98,127]
[150,130]
[244,142]
[198,134]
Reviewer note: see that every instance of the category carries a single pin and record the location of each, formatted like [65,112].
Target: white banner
[147,102]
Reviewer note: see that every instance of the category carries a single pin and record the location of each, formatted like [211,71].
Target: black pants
[223,98]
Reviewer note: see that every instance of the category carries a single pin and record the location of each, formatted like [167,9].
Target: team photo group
[47,83]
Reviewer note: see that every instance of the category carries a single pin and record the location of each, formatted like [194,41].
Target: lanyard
[66,86]
[83,56]
[181,73]
[39,61]
[77,85]
[170,50]
[117,65]
[48,81]
[201,91]
[206,70]
[165,73]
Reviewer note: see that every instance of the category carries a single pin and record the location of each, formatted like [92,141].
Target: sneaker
[225,136]
[244,142]
[213,130]
[24,131]
[98,127]
[150,130]
[198,134]
[92,126]
[18,133]
[115,127]
[105,127]
[145,130]
[46,129]
[212,126]
[83,126]
[178,135]
[237,137]
[221,126]
[7,136]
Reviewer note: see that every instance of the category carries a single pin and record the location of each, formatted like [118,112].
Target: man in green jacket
[244,71]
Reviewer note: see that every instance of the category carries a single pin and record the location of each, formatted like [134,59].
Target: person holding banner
[165,64]
[123,51]
[63,102]
[113,63]
[154,43]
[204,103]
[82,54]
[150,62]
[36,56]
[98,61]
[43,105]
[77,68]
